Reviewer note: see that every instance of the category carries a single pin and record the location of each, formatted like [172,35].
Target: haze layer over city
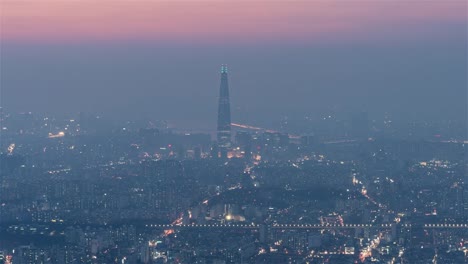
[233,131]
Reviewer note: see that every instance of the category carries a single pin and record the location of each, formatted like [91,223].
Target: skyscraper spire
[224,114]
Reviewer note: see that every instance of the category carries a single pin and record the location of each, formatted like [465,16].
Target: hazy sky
[161,58]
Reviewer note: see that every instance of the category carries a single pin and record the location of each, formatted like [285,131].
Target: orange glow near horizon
[211,20]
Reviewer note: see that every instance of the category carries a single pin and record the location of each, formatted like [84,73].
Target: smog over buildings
[214,132]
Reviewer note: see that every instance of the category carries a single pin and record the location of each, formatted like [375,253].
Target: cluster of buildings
[81,190]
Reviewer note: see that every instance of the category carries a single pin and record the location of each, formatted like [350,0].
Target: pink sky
[216,20]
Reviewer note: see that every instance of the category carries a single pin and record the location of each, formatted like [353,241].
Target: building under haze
[224,114]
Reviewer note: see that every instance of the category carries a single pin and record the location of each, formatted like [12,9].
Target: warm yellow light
[59,134]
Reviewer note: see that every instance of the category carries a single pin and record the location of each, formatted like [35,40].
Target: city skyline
[406,59]
[338,134]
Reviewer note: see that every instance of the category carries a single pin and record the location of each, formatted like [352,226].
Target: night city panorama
[220,132]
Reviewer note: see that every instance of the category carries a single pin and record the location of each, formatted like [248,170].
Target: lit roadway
[307,226]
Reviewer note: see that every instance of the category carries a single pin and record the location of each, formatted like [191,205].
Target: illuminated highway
[260,129]
[305,226]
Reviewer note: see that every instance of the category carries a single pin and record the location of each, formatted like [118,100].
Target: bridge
[307,226]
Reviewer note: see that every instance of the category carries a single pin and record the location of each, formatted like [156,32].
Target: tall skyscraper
[224,114]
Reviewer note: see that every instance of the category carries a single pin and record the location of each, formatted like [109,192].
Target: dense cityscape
[233,132]
[85,189]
